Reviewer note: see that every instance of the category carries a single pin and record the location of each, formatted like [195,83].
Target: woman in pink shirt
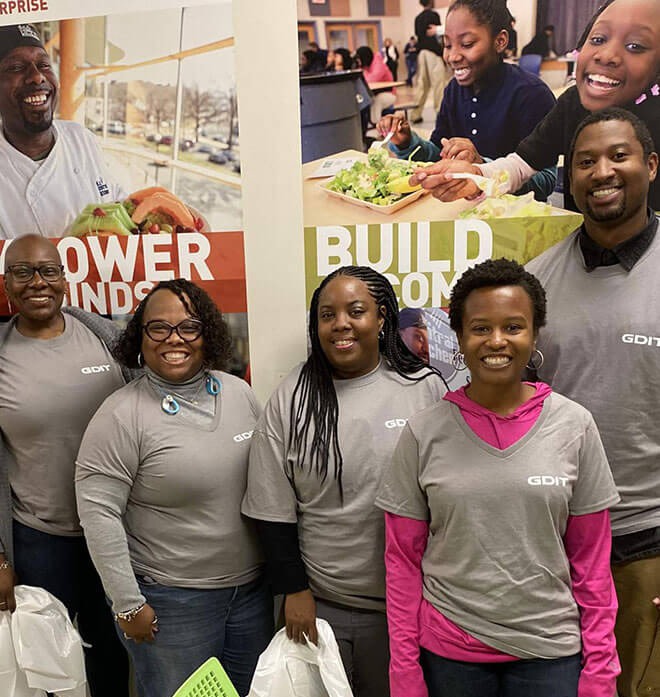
[374,70]
[497,529]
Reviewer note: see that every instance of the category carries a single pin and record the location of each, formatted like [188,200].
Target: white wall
[267,84]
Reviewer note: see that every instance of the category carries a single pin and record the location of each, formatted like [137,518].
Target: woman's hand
[399,125]
[7,582]
[300,617]
[143,627]
[460,149]
[435,178]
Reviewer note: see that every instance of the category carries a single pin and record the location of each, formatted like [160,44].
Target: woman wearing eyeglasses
[55,370]
[160,476]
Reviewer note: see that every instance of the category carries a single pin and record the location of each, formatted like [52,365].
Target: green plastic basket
[209,680]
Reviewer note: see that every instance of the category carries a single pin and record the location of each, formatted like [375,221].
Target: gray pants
[363,645]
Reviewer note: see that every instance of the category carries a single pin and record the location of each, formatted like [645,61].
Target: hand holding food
[437,179]
[460,149]
[398,124]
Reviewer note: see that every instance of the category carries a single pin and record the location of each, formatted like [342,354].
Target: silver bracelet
[5,565]
[129,614]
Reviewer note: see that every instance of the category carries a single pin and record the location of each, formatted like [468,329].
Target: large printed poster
[354,211]
[154,87]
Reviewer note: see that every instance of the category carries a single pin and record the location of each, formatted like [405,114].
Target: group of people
[461,538]
[487,542]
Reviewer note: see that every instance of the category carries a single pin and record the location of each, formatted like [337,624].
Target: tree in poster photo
[52,168]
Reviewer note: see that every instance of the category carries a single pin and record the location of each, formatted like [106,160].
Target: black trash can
[330,106]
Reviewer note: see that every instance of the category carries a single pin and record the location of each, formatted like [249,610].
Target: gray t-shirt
[159,495]
[50,390]
[602,349]
[342,545]
[495,562]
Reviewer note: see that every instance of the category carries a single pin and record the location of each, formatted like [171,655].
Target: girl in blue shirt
[489,106]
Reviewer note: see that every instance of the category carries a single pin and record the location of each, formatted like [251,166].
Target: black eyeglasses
[23,273]
[159,330]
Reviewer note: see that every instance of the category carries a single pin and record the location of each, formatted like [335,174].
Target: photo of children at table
[618,65]
[489,106]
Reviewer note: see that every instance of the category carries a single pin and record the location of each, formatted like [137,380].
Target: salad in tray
[381,180]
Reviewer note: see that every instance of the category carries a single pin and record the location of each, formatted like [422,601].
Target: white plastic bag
[47,647]
[287,669]
[12,679]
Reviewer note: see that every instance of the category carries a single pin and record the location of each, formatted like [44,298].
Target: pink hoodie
[587,541]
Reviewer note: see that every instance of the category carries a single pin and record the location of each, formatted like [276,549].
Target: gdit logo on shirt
[90,369]
[240,437]
[640,339]
[547,480]
[103,188]
[396,423]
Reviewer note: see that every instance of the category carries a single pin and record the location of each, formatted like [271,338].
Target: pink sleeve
[405,542]
[588,541]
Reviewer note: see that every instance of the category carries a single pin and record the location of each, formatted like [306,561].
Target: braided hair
[314,403]
[493,14]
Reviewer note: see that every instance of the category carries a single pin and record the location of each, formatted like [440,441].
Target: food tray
[387,210]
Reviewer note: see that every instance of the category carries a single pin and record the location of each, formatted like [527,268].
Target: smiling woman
[55,370]
[317,456]
[509,468]
[160,477]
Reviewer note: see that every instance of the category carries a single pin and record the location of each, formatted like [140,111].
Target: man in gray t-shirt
[602,349]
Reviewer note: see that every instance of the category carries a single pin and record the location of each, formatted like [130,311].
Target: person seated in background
[618,65]
[374,70]
[311,63]
[489,106]
[542,44]
[321,53]
[343,59]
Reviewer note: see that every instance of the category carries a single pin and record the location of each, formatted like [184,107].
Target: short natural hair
[492,274]
[613,113]
[216,346]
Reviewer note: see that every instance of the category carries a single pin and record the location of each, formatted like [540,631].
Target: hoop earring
[540,361]
[458,361]
[140,360]
[381,335]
